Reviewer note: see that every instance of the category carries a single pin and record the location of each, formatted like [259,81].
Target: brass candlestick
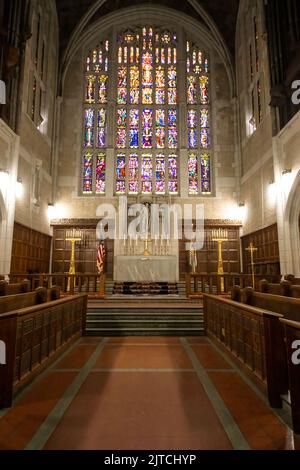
[252,249]
[220,236]
[72,270]
[146,246]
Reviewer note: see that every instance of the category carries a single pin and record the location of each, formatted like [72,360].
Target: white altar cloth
[146,269]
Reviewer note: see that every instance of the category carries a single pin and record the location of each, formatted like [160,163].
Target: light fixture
[3,179]
[286,171]
[242,211]
[51,210]
[272,191]
[19,188]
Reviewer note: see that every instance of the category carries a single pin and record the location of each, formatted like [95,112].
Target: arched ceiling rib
[224,14]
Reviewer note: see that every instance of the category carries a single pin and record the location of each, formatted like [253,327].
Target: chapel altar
[146,261]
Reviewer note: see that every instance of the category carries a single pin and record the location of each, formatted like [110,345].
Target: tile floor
[143,393]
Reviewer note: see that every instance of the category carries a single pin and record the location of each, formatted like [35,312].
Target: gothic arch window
[150,129]
[95,120]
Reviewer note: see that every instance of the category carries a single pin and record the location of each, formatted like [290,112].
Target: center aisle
[142,393]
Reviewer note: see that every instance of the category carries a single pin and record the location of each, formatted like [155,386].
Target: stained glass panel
[121,117]
[103,89]
[172,138]
[88,173]
[192,119]
[160,137]
[173,174]
[205,138]
[121,174]
[204,99]
[146,174]
[160,117]
[160,185]
[193,174]
[205,174]
[90,89]
[204,118]
[133,183]
[89,128]
[192,90]
[100,173]
[121,138]
[193,138]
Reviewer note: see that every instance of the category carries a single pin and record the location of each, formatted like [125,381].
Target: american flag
[101,257]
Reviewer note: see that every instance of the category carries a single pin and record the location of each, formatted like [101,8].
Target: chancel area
[149,225]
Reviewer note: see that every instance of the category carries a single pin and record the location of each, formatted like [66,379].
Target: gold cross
[252,249]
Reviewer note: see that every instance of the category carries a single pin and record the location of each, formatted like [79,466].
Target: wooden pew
[294,280]
[285,288]
[39,296]
[34,337]
[292,335]
[286,306]
[13,289]
[254,338]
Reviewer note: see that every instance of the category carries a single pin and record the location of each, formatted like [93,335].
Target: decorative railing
[199,284]
[89,283]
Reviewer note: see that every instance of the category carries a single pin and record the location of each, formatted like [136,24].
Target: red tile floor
[143,393]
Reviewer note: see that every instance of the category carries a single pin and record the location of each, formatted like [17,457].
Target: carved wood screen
[30,251]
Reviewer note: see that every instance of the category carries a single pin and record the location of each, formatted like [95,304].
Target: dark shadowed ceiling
[223,12]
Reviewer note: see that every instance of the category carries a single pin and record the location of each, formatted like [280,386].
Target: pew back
[9,303]
[13,289]
[287,306]
[285,288]
[254,338]
[34,336]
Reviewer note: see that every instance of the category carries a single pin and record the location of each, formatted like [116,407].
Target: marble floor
[143,393]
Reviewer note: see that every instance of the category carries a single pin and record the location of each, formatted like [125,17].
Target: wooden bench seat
[285,288]
[289,307]
[33,337]
[259,341]
[292,336]
[39,296]
[13,289]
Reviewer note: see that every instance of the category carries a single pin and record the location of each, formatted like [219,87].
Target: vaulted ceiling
[223,13]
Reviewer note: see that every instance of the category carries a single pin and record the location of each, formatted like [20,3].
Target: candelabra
[74,236]
[220,236]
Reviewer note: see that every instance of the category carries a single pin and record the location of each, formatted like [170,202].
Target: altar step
[141,320]
[145,288]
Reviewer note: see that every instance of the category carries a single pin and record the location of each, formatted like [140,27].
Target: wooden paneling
[85,251]
[266,258]
[30,251]
[208,257]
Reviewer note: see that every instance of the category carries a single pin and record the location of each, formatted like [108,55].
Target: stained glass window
[146,118]
[95,120]
[198,121]
[147,110]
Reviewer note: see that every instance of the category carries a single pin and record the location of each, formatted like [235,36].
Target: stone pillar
[9,156]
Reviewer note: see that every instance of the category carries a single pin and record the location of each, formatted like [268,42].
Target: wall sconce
[242,211]
[3,178]
[19,188]
[51,210]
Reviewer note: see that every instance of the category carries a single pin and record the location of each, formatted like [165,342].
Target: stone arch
[207,32]
[291,219]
